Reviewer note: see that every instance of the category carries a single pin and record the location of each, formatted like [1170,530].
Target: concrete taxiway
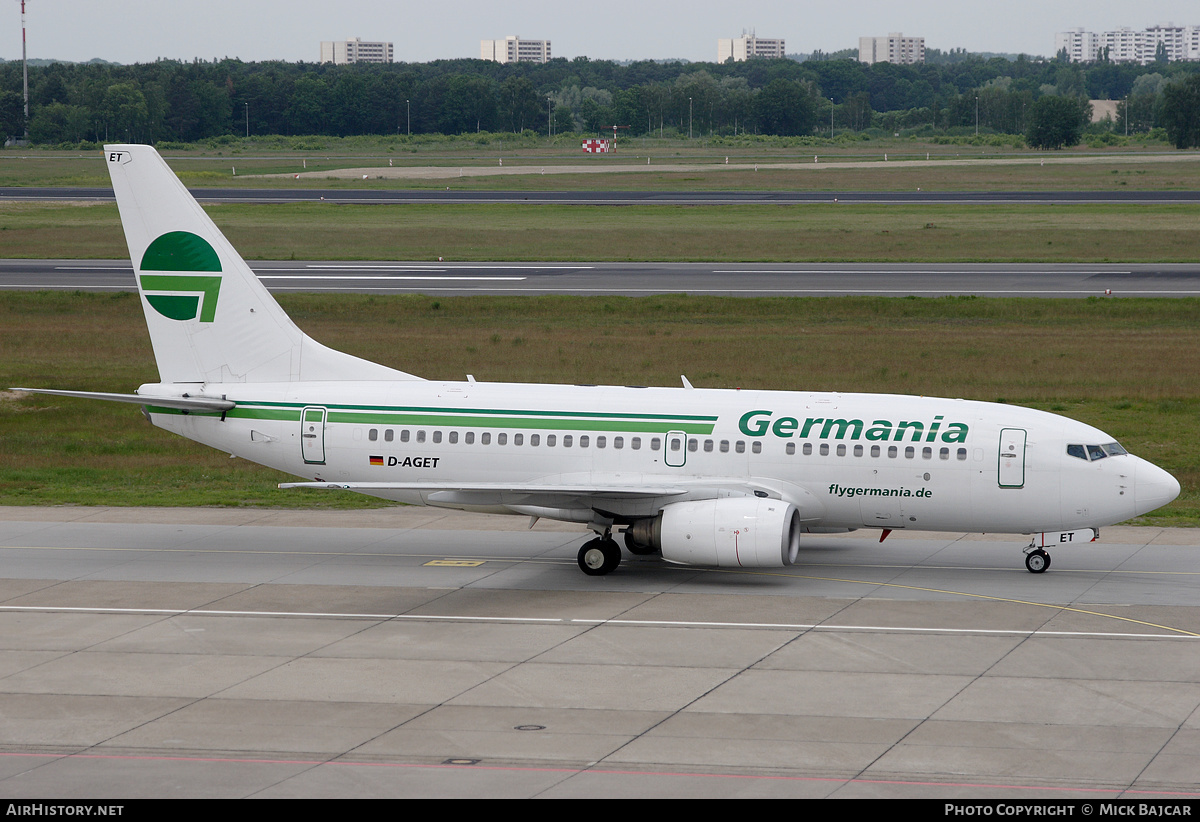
[417,652]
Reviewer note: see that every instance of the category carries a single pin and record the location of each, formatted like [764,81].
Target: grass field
[823,232]
[1080,168]
[1128,366]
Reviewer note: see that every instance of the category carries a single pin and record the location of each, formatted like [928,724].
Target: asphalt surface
[637,279]
[416,652]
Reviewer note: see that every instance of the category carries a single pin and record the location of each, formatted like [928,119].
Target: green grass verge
[1128,366]
[1104,169]
[821,232]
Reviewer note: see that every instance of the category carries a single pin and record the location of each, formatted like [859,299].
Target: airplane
[707,477]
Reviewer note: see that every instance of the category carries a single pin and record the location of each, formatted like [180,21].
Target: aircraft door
[312,434]
[675,449]
[1012,458]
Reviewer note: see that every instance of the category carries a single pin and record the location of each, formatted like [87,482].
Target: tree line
[190,101]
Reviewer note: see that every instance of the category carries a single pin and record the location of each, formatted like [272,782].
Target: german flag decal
[376,460]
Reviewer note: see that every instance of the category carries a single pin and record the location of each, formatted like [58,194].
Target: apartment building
[341,52]
[513,49]
[894,48]
[739,49]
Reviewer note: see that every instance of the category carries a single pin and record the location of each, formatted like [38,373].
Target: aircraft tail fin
[210,318]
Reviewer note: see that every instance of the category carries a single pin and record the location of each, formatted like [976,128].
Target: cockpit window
[1096,452]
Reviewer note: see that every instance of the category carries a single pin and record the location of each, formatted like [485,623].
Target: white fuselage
[844,460]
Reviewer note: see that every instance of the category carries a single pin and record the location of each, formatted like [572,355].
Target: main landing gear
[1036,560]
[599,556]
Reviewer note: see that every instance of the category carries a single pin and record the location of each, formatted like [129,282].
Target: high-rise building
[1124,45]
[747,46]
[895,48]
[341,52]
[513,49]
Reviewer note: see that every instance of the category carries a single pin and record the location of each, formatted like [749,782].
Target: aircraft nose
[1154,487]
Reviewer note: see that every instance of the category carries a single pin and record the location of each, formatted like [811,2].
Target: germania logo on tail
[738,488]
[181,296]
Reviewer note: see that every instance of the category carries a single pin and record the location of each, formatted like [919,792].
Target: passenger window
[841,450]
[893,452]
[926,453]
[874,450]
[437,436]
[858,450]
[550,440]
[601,442]
[388,435]
[518,439]
[502,439]
[584,440]
[567,440]
[708,446]
[944,454]
[404,435]
[807,449]
[910,452]
[791,448]
[724,446]
[655,443]
[693,444]
[373,434]
[618,442]
[469,438]
[485,438]
[453,437]
[420,436]
[962,454]
[636,443]
[756,447]
[740,447]
[824,449]
[535,439]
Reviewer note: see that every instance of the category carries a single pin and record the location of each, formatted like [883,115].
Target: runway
[416,652]
[639,279]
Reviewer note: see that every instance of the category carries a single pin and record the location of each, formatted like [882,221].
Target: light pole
[689,118]
[549,122]
[408,116]
[976,115]
[247,119]
[830,118]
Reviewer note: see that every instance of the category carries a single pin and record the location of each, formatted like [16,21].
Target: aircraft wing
[493,490]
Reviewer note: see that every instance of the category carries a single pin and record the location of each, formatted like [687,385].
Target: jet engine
[738,532]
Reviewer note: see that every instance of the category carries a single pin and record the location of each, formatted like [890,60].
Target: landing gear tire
[1037,561]
[599,556]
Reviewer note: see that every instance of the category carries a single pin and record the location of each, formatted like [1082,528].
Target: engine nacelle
[738,532]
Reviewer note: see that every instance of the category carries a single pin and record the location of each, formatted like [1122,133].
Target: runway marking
[348,278]
[782,626]
[1066,608]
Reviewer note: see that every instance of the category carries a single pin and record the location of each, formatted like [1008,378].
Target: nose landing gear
[1036,560]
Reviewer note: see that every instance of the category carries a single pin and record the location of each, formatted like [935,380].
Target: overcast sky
[135,31]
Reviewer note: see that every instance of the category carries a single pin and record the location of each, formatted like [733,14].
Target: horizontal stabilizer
[182,402]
